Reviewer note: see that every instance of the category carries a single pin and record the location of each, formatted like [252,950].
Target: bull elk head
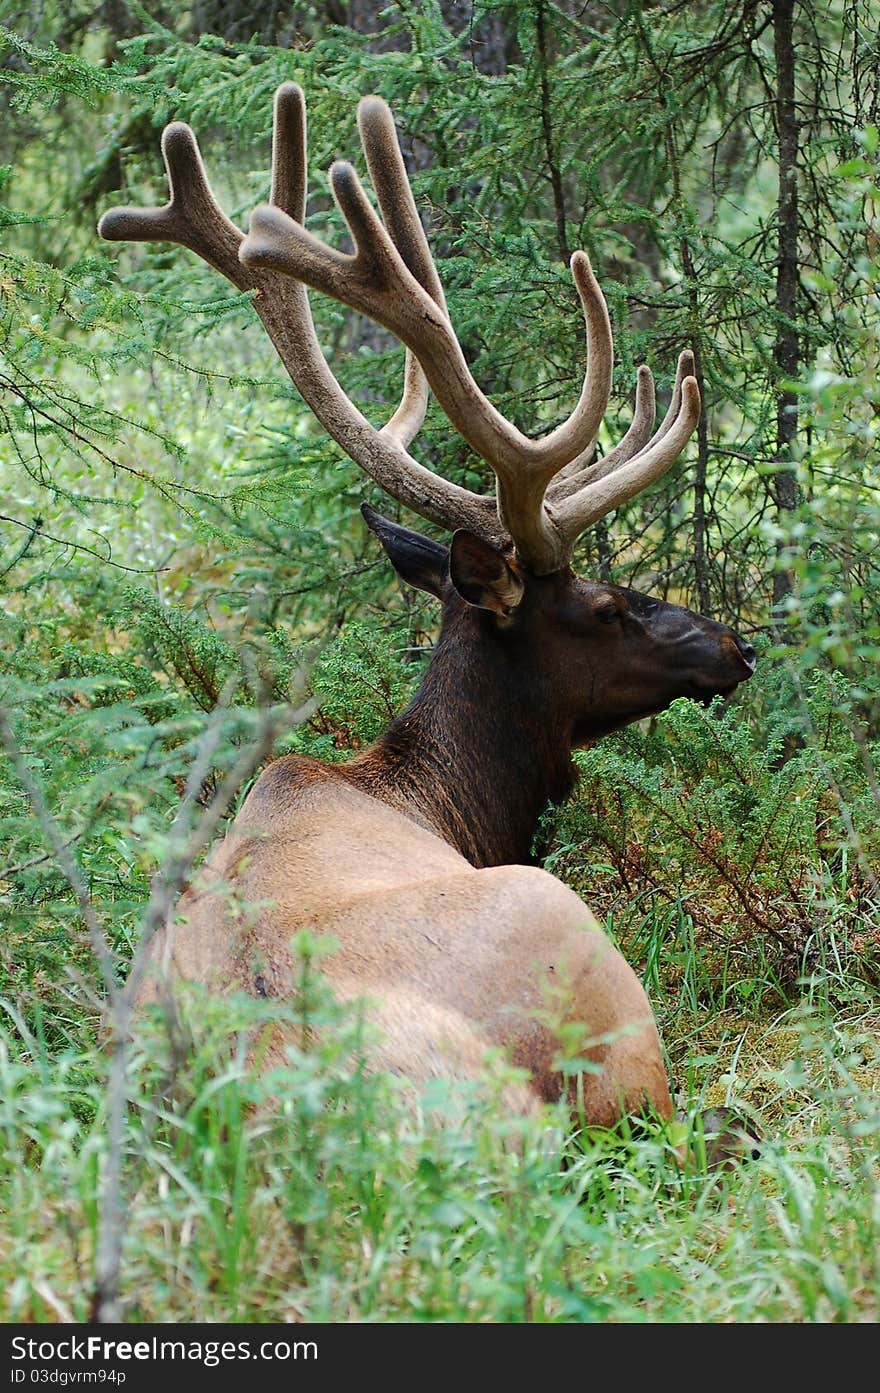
[404,854]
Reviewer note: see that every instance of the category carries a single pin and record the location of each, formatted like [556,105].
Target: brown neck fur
[477,755]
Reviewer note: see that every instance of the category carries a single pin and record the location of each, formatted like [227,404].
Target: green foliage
[178,542]
[198,658]
[736,856]
[360,681]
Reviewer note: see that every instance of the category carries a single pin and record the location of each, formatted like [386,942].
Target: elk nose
[748,654]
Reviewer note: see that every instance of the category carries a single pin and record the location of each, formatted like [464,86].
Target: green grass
[318,1193]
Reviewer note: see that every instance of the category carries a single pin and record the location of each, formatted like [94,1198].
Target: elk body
[415,855]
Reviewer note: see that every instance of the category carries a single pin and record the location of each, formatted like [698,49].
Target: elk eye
[607,614]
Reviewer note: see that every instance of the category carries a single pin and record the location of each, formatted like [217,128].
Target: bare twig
[67,863]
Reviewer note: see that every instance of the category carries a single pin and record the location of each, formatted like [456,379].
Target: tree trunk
[700,522]
[785,349]
[553,169]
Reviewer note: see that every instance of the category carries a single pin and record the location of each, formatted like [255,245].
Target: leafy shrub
[751,841]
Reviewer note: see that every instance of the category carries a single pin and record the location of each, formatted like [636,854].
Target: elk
[415,855]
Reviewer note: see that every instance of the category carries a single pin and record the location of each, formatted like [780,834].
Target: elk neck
[480,751]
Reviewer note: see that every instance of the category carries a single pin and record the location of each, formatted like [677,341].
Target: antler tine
[191,218]
[289,151]
[289,163]
[393,190]
[389,177]
[586,468]
[685,369]
[636,441]
[602,495]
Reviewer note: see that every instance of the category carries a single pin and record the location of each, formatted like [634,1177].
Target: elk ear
[482,576]
[418,560]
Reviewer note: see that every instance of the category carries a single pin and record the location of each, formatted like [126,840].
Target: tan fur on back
[454,961]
